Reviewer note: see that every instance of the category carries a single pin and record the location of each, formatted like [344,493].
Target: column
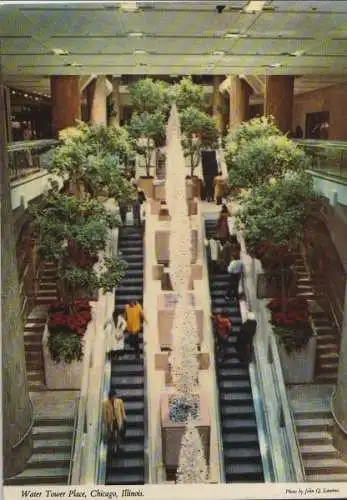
[239,101]
[99,105]
[116,113]
[16,409]
[339,400]
[218,102]
[66,102]
[279,91]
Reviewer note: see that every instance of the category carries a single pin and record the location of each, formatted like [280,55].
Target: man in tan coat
[114,419]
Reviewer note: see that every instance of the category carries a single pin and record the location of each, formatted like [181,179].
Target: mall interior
[275,418]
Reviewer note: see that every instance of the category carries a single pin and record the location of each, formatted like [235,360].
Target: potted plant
[296,338]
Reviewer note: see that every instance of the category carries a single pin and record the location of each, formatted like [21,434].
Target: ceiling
[303,38]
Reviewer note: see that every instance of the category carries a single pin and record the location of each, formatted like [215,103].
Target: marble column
[116,113]
[218,103]
[66,102]
[99,104]
[239,91]
[339,400]
[16,408]
[279,94]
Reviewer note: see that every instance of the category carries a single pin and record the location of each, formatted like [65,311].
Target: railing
[73,439]
[279,449]
[329,157]
[101,461]
[215,392]
[26,157]
[148,469]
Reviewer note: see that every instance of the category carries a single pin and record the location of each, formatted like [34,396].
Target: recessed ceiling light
[25,95]
[60,52]
[275,65]
[254,6]
[130,6]
[141,64]
[298,53]
[232,35]
[13,91]
[140,52]
[219,53]
[136,34]
[73,64]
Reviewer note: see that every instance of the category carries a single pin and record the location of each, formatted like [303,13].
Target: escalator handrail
[147,478]
[291,444]
[213,363]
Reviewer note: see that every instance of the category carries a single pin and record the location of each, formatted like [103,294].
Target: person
[133,314]
[123,210]
[140,197]
[235,269]
[115,338]
[218,184]
[214,248]
[209,186]
[115,420]
[244,338]
[231,249]
[222,226]
[223,328]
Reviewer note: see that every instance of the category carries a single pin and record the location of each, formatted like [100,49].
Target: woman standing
[222,226]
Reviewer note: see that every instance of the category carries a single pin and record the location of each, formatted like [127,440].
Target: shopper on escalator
[134,317]
[223,329]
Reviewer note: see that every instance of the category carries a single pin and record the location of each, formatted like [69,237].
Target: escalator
[127,373]
[242,459]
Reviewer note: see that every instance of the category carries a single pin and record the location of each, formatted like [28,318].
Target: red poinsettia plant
[65,318]
[271,255]
[291,322]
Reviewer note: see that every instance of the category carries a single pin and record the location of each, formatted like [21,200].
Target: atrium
[174,236]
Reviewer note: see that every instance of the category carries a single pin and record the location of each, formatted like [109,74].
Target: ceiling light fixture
[60,52]
[130,6]
[25,95]
[275,65]
[136,34]
[219,53]
[232,35]
[298,53]
[254,6]
[140,52]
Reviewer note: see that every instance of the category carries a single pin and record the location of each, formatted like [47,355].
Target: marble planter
[172,432]
[299,366]
[63,375]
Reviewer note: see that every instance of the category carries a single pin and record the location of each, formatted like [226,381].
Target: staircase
[35,324]
[242,460]
[127,373]
[321,460]
[33,331]
[50,461]
[328,341]
[47,288]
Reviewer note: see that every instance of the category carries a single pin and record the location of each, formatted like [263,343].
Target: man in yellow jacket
[114,419]
[134,314]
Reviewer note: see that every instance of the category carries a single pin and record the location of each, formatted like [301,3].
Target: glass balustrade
[28,157]
[328,157]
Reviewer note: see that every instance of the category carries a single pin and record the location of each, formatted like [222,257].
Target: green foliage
[147,129]
[148,96]
[114,270]
[65,346]
[186,94]
[259,160]
[277,211]
[91,155]
[76,278]
[199,131]
[293,339]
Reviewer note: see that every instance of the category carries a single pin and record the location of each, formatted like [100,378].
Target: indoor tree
[148,131]
[199,131]
[192,467]
[186,93]
[92,157]
[148,96]
[261,159]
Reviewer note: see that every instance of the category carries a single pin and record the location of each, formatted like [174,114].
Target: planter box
[146,183]
[162,251]
[299,366]
[62,375]
[172,432]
